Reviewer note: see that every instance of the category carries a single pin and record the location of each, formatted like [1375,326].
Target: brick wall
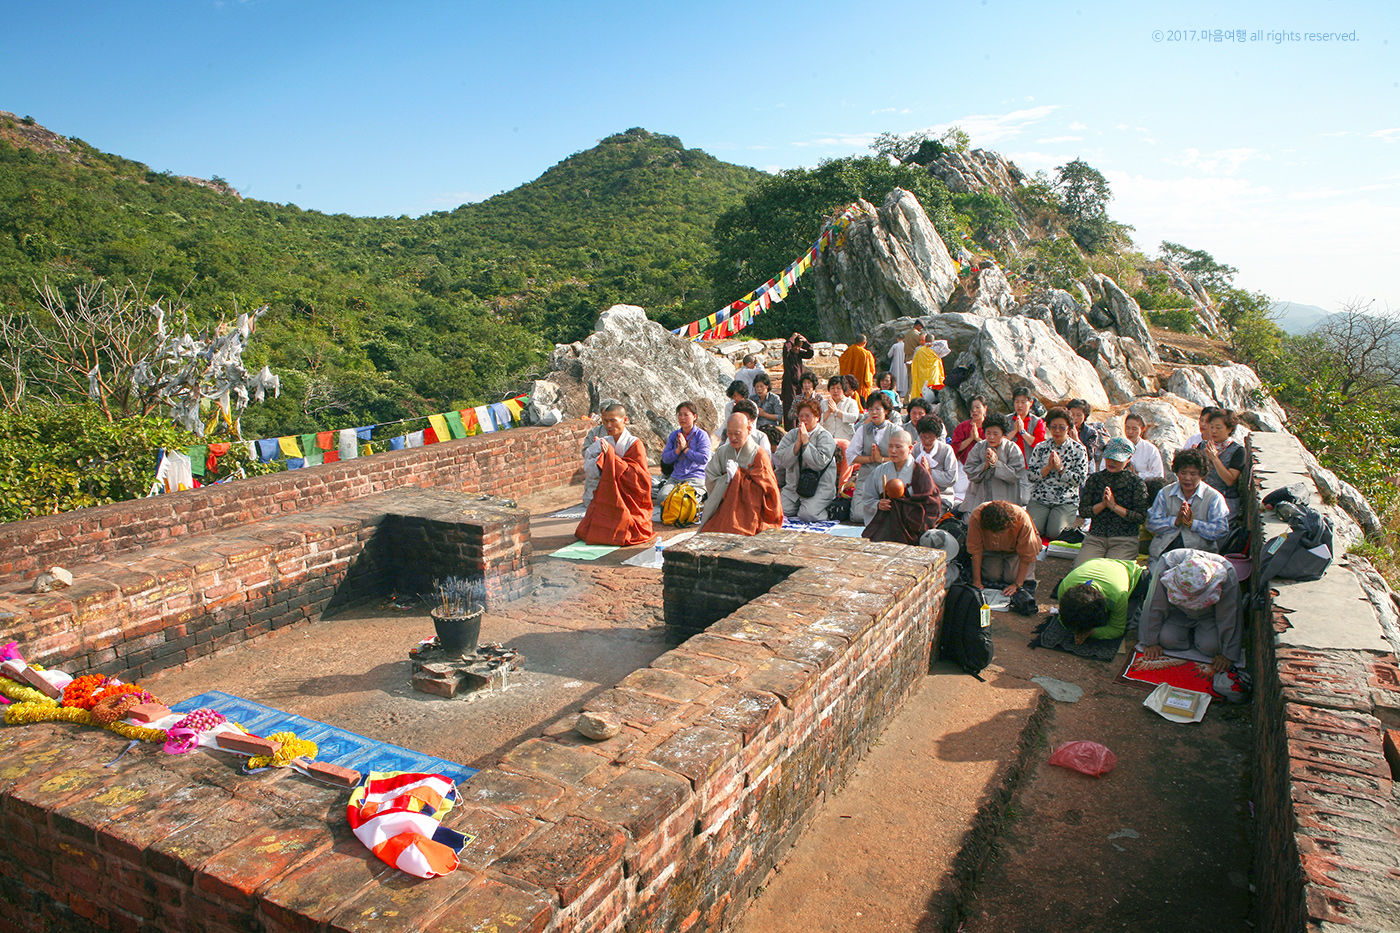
[729,743]
[507,463]
[192,596]
[1327,822]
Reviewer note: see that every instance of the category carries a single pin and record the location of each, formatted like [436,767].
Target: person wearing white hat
[1195,605]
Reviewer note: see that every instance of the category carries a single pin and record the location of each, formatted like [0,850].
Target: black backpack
[1303,553]
[963,639]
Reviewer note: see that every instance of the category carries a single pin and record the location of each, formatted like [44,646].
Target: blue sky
[1281,157]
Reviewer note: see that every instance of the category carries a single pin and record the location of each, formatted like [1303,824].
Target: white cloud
[1059,139]
[1280,239]
[899,110]
[1219,162]
[1389,135]
[1077,127]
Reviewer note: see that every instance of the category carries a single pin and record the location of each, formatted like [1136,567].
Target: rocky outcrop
[643,365]
[1013,350]
[892,264]
[1233,386]
[986,294]
[1117,311]
[1207,319]
[983,170]
[1124,367]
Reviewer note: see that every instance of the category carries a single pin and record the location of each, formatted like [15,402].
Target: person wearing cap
[1115,502]
[1195,605]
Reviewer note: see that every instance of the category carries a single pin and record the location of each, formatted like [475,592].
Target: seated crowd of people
[872,451]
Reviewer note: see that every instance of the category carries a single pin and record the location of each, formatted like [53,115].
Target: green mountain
[374,319]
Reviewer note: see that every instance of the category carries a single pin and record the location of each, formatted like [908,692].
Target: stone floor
[587,625]
[1159,843]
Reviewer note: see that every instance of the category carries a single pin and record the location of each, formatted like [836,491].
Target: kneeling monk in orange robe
[620,511]
[741,493]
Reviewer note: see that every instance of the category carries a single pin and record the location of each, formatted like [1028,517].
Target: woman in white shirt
[840,413]
[1147,459]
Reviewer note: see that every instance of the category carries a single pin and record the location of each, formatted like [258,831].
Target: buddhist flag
[439,423]
[469,421]
[455,425]
[308,443]
[198,458]
[325,440]
[483,419]
[515,408]
[289,448]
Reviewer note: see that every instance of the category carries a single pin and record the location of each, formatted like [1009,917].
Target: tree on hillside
[1215,276]
[1084,195]
[1360,349]
[784,215]
[919,147]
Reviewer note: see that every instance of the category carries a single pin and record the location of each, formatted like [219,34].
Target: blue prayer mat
[334,745]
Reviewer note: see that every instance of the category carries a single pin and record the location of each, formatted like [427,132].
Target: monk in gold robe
[859,362]
[616,464]
[742,494]
[926,369]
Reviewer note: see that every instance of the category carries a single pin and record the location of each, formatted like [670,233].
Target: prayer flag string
[739,314]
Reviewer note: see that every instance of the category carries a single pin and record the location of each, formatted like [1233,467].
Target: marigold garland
[292,749]
[26,713]
[82,692]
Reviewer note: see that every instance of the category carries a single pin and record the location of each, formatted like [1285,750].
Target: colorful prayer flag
[288,446]
[455,425]
[439,426]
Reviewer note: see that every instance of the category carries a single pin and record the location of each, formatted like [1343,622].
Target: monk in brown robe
[859,362]
[620,510]
[742,494]
[904,518]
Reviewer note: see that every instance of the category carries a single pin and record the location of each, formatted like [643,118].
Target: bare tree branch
[1364,345]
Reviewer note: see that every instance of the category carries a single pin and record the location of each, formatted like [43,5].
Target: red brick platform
[730,742]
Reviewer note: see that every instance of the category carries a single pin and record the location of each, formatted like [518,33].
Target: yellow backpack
[681,506]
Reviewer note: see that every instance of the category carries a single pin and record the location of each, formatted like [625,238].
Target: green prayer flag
[455,425]
[198,456]
[316,459]
[308,444]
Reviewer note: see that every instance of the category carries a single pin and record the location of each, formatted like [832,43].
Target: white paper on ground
[1175,704]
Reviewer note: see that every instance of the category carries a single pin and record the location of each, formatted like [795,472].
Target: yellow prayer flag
[440,428]
[289,447]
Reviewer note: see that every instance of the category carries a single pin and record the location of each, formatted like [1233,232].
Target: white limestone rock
[641,364]
[987,294]
[1233,386]
[893,264]
[1014,350]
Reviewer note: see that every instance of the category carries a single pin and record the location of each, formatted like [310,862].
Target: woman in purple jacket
[686,452]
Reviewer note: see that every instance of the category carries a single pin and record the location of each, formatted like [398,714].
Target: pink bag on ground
[1089,758]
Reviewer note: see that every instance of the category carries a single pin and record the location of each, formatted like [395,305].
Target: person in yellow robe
[859,362]
[620,511]
[926,369]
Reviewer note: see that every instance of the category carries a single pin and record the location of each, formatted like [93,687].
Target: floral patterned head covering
[1197,581]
